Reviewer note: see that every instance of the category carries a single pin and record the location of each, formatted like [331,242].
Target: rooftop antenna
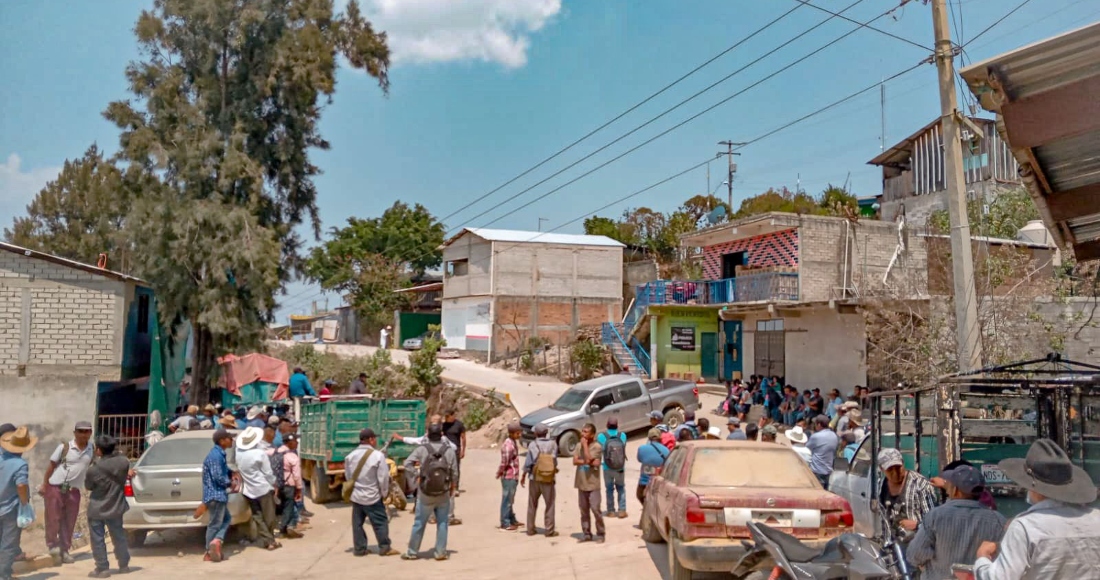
[542,220]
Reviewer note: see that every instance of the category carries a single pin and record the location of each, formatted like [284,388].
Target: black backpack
[277,468]
[614,452]
[435,473]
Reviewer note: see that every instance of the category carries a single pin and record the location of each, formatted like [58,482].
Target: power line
[621,115]
[682,123]
[999,20]
[864,25]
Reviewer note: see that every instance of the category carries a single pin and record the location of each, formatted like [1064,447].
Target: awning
[1045,95]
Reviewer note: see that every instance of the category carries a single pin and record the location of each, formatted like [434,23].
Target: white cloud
[456,30]
[18,186]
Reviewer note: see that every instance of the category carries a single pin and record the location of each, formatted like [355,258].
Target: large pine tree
[216,144]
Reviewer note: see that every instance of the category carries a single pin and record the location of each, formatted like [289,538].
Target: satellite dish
[716,215]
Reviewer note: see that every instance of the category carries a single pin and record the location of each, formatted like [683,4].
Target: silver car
[166,487]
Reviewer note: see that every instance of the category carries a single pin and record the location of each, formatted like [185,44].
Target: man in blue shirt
[822,446]
[652,456]
[614,467]
[14,493]
[299,385]
[215,494]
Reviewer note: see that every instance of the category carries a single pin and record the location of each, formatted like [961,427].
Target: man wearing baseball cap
[657,421]
[61,489]
[951,533]
[907,495]
[1059,535]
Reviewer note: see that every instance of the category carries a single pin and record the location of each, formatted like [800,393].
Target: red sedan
[707,491]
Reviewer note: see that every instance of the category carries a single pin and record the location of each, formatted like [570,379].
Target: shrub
[587,358]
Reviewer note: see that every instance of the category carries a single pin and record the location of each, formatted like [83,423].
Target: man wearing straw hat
[14,493]
[1059,535]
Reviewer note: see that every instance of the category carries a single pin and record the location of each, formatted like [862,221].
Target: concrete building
[503,287]
[913,179]
[780,296]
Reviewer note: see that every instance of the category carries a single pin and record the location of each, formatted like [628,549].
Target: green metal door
[708,352]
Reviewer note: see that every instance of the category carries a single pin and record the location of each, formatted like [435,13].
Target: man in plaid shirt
[908,494]
[509,476]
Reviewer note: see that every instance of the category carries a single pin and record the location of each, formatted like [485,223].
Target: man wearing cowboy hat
[1059,535]
[840,421]
[853,423]
[798,438]
[15,493]
[186,421]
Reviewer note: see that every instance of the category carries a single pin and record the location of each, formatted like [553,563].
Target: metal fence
[128,429]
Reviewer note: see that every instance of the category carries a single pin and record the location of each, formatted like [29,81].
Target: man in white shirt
[61,489]
[366,467]
[1059,535]
[384,339]
[798,438]
[258,483]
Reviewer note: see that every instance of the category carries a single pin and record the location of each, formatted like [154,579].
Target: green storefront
[687,342]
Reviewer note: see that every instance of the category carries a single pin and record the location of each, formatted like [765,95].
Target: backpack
[435,474]
[277,468]
[544,467]
[614,452]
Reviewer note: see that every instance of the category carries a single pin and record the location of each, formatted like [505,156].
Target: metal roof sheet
[71,263]
[524,237]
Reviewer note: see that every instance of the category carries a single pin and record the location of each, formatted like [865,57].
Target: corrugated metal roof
[525,237]
[71,263]
[1046,97]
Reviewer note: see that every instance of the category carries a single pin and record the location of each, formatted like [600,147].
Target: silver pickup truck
[625,397]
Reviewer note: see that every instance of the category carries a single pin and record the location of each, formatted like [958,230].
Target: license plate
[994,475]
[774,519]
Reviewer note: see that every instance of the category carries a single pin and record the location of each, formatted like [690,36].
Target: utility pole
[962,262]
[732,167]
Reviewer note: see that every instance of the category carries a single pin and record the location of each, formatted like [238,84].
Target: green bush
[424,367]
[587,358]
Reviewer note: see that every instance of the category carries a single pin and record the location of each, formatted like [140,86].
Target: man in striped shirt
[950,534]
[907,495]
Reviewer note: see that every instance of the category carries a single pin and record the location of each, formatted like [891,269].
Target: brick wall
[556,320]
[59,320]
[772,249]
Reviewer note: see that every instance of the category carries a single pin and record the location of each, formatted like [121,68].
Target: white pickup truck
[625,397]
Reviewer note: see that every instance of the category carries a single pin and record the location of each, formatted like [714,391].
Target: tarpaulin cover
[250,368]
[257,393]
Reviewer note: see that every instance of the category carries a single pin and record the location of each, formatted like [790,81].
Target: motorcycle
[775,555]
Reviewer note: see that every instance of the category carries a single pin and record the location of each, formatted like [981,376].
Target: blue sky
[484,89]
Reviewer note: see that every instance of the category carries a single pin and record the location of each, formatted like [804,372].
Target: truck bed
[330,429]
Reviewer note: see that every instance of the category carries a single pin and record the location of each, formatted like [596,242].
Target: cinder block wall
[869,250]
[59,320]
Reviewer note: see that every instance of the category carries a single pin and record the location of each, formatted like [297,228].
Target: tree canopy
[832,201]
[1003,217]
[216,142]
[79,215]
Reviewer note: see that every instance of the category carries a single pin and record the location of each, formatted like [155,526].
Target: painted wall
[548,270]
[671,361]
[772,249]
[467,322]
[50,406]
[824,348]
[478,255]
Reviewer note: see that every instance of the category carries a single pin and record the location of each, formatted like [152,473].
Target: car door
[604,401]
[633,406]
[854,485]
[666,486]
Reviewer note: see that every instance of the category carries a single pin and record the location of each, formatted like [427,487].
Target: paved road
[479,550]
[527,393]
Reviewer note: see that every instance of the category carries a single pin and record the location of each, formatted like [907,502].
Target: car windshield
[190,452]
[776,467]
[571,400]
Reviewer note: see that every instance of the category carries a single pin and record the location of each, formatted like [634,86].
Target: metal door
[731,355]
[770,348]
[708,352]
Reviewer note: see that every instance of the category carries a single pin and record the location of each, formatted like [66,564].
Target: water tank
[1036,233]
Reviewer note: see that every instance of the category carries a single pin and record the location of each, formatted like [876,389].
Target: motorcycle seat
[792,548]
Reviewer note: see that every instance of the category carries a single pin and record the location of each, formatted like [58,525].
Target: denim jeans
[10,535]
[615,482]
[219,522]
[99,529]
[507,499]
[425,508]
[379,522]
[290,508]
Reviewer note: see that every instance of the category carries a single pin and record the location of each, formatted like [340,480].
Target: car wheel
[674,417]
[567,443]
[650,533]
[318,486]
[136,538]
[676,570]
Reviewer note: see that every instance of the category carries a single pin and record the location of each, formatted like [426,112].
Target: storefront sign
[683,338]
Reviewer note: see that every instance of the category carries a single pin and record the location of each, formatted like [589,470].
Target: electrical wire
[867,26]
[680,124]
[999,20]
[622,114]
[661,115]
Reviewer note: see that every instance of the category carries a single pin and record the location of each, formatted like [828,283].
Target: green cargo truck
[330,430]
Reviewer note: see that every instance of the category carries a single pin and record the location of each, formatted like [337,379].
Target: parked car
[702,500]
[417,342]
[167,486]
[624,397]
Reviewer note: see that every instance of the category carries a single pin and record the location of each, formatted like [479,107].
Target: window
[143,314]
[861,463]
[458,268]
[769,325]
[629,391]
[675,461]
[603,399]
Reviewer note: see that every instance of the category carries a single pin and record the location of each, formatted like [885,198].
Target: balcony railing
[768,286]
